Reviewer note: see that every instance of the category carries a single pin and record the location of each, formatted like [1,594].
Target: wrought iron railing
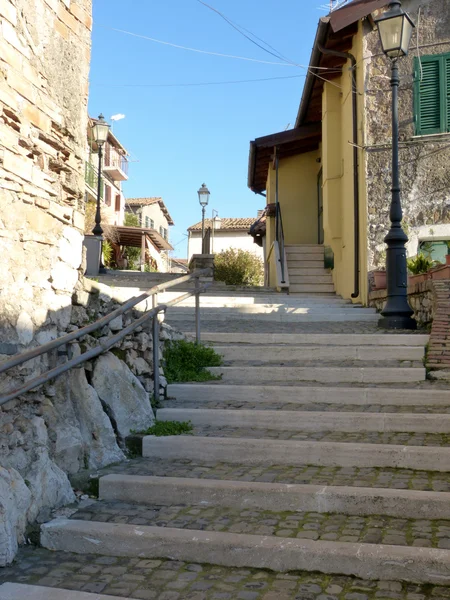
[91,178]
[114,159]
[104,345]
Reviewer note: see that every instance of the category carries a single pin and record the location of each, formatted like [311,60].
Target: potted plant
[419,266]
[379,275]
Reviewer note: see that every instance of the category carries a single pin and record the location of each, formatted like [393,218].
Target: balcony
[91,179]
[115,164]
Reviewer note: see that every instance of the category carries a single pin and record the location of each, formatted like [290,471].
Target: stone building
[334,167]
[44,60]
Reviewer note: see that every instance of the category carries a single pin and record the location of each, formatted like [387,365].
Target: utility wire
[241,30]
[159,85]
[145,37]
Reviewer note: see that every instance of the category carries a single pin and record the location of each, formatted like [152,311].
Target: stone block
[15,499]
[10,36]
[8,11]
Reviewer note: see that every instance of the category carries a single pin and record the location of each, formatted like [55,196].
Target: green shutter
[428,96]
[447,92]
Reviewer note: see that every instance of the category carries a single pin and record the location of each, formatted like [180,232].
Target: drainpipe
[355,163]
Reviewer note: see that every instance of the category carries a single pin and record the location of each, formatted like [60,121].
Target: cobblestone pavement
[175,580]
[322,407]
[313,475]
[368,437]
[288,524]
[235,325]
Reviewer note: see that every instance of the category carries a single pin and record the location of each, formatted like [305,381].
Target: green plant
[419,264]
[164,428]
[187,361]
[107,251]
[238,267]
[131,220]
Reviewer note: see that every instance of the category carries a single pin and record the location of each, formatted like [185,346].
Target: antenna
[333,5]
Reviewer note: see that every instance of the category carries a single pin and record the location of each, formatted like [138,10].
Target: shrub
[420,264]
[187,361]
[238,267]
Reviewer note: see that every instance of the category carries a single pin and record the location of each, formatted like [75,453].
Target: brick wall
[439,346]
[44,68]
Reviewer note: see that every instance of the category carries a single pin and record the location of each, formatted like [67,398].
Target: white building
[225,234]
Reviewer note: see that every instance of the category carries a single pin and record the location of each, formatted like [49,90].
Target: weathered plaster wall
[424,162]
[44,66]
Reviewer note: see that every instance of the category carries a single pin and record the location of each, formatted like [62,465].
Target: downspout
[355,163]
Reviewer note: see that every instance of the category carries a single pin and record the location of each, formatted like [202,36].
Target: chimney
[259,213]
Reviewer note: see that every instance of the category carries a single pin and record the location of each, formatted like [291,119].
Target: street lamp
[100,132]
[203,198]
[395,28]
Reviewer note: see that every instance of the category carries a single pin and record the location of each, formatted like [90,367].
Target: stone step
[327,288]
[277,497]
[311,421]
[300,395]
[306,270]
[245,352]
[277,316]
[209,312]
[374,561]
[19,591]
[316,339]
[257,451]
[303,279]
[298,261]
[258,374]
[306,248]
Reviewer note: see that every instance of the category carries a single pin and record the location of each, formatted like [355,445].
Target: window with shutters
[107,195]
[432,94]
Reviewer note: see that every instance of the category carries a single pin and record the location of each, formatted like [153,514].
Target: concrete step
[304,257]
[305,248]
[299,279]
[316,339]
[245,352]
[371,561]
[294,271]
[268,309]
[312,288]
[19,591]
[295,262]
[256,374]
[310,421]
[265,394]
[277,497]
[275,317]
[246,451]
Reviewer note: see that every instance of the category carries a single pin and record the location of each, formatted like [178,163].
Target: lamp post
[100,132]
[203,198]
[395,28]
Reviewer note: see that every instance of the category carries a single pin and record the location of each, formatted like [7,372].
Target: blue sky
[181,137]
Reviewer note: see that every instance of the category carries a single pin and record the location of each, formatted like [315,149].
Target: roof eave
[319,40]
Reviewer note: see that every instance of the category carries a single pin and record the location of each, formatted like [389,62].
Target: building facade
[225,234]
[114,173]
[334,167]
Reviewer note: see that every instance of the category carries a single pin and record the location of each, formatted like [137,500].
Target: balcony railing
[91,178]
[115,164]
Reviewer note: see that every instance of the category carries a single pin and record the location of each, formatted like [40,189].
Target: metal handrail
[106,344]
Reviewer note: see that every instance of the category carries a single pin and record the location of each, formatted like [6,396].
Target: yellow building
[328,179]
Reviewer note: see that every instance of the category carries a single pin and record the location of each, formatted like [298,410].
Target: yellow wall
[337,160]
[298,198]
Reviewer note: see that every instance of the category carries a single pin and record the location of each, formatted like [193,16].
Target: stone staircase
[306,271]
[318,469]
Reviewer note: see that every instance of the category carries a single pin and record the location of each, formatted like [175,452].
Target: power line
[145,37]
[159,85]
[241,30]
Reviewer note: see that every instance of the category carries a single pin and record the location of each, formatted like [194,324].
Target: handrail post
[197,311]
[155,353]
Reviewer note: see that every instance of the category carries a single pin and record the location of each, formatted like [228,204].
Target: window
[152,224]
[147,222]
[161,231]
[117,203]
[107,195]
[432,94]
[435,249]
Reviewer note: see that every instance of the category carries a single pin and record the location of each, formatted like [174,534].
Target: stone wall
[44,67]
[78,421]
[424,161]
[431,303]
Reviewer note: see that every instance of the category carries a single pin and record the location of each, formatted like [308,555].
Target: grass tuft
[164,428]
[188,361]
